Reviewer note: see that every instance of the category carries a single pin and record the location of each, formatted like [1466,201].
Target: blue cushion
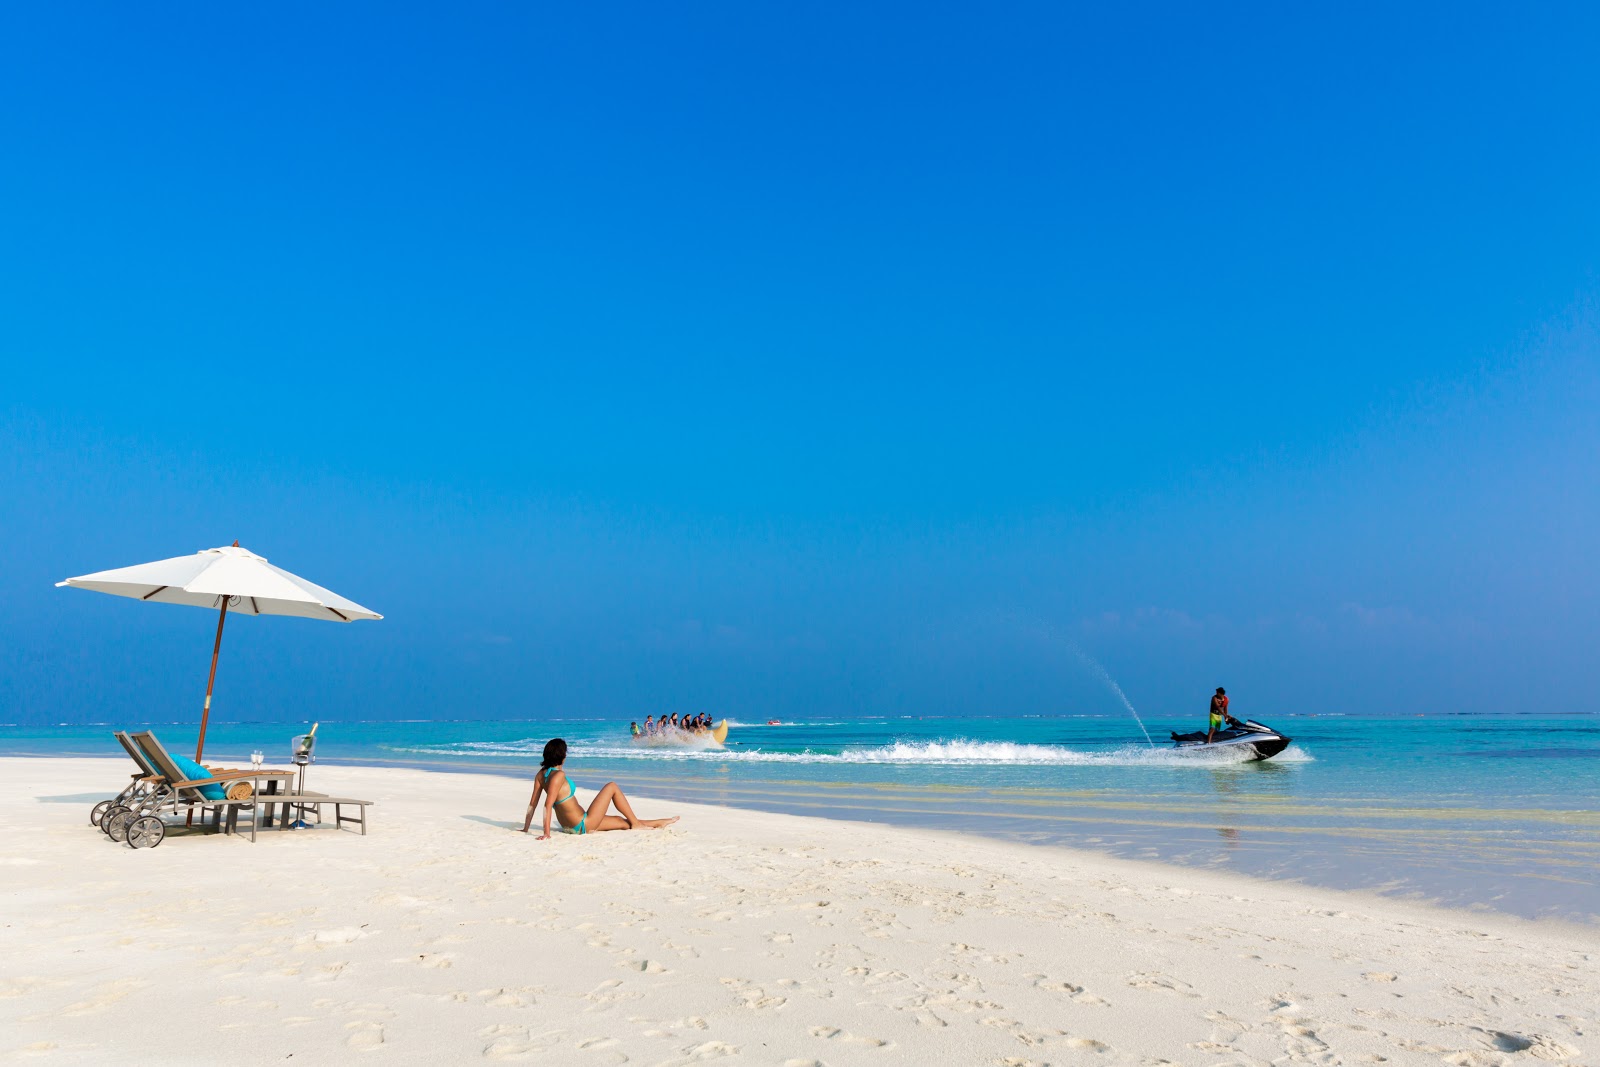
[192,771]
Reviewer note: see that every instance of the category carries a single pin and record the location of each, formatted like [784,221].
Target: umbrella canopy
[250,584]
[228,579]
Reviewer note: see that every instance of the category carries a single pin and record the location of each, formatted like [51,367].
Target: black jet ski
[1261,742]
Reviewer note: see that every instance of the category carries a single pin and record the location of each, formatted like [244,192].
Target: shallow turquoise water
[1467,810]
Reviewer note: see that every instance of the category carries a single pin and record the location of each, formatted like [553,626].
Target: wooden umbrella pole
[205,715]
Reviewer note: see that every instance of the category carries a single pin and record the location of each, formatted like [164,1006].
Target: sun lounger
[144,780]
[143,828]
[297,806]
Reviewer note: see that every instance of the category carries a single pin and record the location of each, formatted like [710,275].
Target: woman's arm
[549,802]
[533,802]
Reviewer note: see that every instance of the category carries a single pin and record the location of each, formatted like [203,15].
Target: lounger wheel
[117,824]
[99,811]
[146,831]
[110,813]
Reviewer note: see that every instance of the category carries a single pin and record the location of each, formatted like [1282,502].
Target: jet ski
[1260,742]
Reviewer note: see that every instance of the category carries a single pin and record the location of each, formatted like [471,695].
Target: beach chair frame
[141,826]
[144,781]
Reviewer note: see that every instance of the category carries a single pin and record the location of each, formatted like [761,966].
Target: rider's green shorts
[1216,722]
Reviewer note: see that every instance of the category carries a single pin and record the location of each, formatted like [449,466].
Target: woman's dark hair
[555,753]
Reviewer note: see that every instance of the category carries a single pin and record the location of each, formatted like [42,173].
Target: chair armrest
[231,776]
[198,781]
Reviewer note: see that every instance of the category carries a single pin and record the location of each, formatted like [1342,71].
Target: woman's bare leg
[617,822]
[610,794]
[600,811]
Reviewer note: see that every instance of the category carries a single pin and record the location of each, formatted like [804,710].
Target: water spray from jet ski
[1104,675]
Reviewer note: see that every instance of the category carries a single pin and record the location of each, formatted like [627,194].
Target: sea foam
[939,752]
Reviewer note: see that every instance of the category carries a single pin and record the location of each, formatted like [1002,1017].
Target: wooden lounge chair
[142,781]
[142,827]
[186,793]
[297,805]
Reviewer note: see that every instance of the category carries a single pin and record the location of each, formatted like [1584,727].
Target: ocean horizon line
[831,718]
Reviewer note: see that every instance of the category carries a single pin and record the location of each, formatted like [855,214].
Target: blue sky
[783,359]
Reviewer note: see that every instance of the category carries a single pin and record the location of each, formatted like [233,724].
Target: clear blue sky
[778,359]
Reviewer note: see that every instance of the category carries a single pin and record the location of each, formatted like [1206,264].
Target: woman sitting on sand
[552,781]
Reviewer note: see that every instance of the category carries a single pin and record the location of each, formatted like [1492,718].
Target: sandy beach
[443,936]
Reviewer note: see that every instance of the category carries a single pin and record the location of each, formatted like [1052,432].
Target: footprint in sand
[1300,1040]
[608,993]
[1087,1044]
[688,952]
[1214,1047]
[364,1037]
[1161,982]
[872,977]
[22,986]
[1542,1048]
[105,996]
[517,1042]
[329,972]
[601,1050]
[1076,993]
[753,996]
[1022,1034]
[643,966]
[834,1033]
[693,1022]
[438,960]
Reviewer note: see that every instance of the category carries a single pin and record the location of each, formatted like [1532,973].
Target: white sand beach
[444,937]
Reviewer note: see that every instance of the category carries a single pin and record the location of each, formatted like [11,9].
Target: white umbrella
[230,578]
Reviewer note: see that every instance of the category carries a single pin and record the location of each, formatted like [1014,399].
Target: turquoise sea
[1465,810]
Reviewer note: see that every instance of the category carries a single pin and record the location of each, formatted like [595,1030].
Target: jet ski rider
[1219,712]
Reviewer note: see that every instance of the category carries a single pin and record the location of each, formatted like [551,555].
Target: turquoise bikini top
[571,791]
